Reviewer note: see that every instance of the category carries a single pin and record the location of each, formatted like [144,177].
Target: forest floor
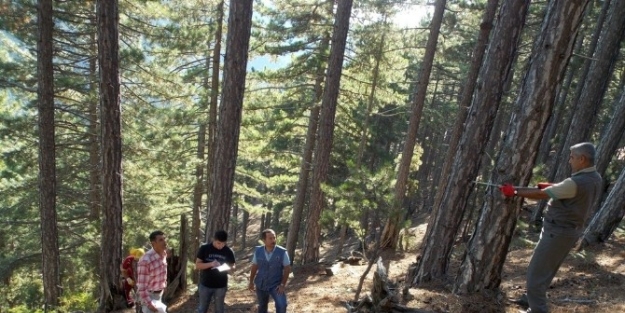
[588,281]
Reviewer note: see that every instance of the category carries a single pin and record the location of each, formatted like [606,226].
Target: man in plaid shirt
[152,272]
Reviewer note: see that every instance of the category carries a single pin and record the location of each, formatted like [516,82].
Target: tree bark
[390,234]
[227,140]
[482,265]
[110,108]
[609,217]
[326,130]
[95,182]
[206,140]
[305,166]
[611,138]
[47,157]
[467,93]
[446,218]
[244,223]
[176,267]
[564,128]
[595,84]
[212,113]
[608,145]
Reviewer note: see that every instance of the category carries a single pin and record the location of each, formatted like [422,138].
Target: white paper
[160,306]
[222,268]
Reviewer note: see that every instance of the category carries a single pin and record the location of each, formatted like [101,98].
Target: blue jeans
[263,300]
[206,294]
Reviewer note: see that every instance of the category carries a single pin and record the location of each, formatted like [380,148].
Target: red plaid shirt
[151,274]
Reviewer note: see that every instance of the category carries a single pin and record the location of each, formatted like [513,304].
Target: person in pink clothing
[152,272]
[129,277]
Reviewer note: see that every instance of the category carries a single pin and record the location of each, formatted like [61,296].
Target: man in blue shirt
[270,271]
[214,259]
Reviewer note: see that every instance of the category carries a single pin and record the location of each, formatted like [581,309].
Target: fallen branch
[580,301]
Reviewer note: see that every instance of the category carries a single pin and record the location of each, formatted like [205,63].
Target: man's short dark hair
[155,234]
[264,233]
[221,235]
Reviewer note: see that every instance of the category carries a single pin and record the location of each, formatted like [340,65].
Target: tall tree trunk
[612,136]
[227,140]
[244,223]
[564,127]
[364,134]
[609,144]
[95,182]
[47,157]
[467,93]
[262,221]
[446,218]
[545,155]
[482,264]
[305,166]
[234,224]
[110,108]
[267,215]
[595,84]
[198,188]
[609,217]
[326,130]
[390,234]
[212,113]
[210,102]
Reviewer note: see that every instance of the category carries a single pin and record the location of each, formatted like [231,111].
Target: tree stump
[176,265]
[384,297]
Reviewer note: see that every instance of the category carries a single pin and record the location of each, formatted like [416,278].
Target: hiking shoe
[522,301]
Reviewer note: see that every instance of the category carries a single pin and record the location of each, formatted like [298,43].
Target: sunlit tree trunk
[390,234]
[483,262]
[212,113]
[228,126]
[305,166]
[110,109]
[209,127]
[445,220]
[47,157]
[326,130]
[95,182]
[467,93]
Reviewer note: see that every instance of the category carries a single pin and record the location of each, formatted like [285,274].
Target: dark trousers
[548,255]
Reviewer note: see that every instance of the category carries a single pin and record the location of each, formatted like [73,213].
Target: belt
[156,291]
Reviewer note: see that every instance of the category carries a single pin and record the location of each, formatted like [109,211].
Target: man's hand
[507,190]
[543,185]
[281,289]
[130,281]
[251,286]
[151,307]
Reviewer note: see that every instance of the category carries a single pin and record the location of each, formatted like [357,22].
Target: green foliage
[82,301]
[26,292]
